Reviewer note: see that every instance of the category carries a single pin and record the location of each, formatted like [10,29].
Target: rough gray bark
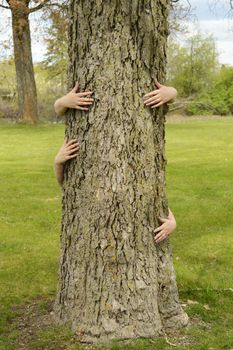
[114,281]
[26,86]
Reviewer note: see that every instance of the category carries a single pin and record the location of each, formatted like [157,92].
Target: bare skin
[68,150]
[75,100]
[83,100]
[166,228]
[161,95]
[154,99]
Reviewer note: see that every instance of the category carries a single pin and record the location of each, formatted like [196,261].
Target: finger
[80,103]
[72,151]
[86,93]
[158,84]
[72,156]
[152,93]
[86,99]
[162,219]
[82,108]
[160,239]
[158,104]
[159,235]
[76,87]
[72,148]
[71,142]
[154,100]
[162,231]
[158,229]
[161,226]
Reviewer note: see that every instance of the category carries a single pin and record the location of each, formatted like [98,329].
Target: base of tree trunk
[111,330]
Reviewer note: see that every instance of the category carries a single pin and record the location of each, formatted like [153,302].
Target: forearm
[170,214]
[171,217]
[59,172]
[173,92]
[59,107]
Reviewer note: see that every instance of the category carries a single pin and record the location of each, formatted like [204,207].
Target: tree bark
[26,86]
[114,281]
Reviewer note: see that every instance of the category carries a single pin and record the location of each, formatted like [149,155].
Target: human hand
[167,227]
[77,100]
[67,151]
[159,96]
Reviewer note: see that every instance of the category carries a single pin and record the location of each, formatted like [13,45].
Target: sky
[214,17]
[209,16]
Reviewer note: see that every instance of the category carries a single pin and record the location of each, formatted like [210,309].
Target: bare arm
[67,151]
[74,99]
[59,172]
[59,107]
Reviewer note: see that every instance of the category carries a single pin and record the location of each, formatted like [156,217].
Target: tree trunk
[114,281]
[26,86]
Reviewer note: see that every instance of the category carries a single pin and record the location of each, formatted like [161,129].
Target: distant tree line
[204,85]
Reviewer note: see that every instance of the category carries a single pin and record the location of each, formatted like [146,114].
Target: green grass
[199,187]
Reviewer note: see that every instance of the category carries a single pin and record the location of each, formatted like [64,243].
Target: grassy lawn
[199,187]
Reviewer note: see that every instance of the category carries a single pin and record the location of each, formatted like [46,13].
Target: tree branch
[44,3]
[188,3]
[5,7]
[38,7]
[175,1]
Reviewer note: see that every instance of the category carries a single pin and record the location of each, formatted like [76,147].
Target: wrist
[58,162]
[59,103]
[174,92]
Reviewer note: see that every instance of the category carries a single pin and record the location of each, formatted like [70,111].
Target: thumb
[158,84]
[76,87]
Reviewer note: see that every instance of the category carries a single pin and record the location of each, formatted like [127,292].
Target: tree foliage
[204,86]
[193,67]
[56,41]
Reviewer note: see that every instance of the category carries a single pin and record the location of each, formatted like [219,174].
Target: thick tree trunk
[26,86]
[114,281]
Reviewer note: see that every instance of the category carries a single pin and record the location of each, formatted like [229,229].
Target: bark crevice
[121,285]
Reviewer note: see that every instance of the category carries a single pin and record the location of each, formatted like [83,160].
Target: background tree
[114,281]
[202,83]
[193,67]
[26,86]
[56,22]
[56,56]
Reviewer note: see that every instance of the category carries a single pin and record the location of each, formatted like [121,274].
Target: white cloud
[222,31]
[225,49]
